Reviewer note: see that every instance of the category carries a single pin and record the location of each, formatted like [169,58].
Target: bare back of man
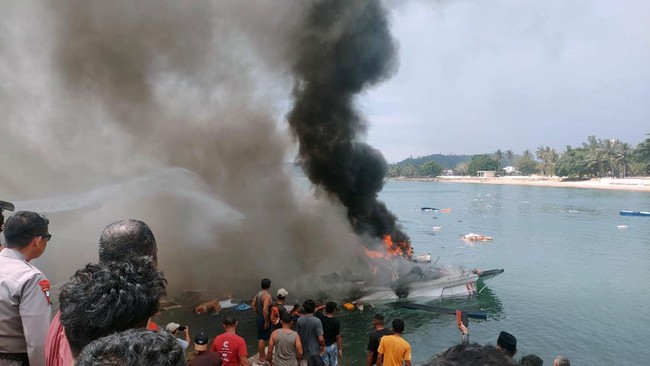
[261,303]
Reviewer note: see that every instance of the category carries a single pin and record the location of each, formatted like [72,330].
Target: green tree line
[594,158]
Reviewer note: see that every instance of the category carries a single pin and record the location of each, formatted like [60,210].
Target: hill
[445,161]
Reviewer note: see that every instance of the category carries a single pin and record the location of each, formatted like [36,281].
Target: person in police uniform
[24,291]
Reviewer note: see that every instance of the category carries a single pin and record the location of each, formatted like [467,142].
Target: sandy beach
[627,184]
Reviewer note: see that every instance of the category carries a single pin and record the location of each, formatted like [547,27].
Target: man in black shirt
[332,335]
[375,337]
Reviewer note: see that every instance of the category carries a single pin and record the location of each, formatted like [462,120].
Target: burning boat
[398,274]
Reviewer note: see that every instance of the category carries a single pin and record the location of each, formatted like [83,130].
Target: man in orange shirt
[393,349]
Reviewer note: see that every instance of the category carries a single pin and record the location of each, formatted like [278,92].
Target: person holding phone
[463,326]
[174,328]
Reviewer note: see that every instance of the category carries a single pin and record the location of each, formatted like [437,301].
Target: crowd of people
[106,311]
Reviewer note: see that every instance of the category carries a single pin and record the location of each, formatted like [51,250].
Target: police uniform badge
[45,287]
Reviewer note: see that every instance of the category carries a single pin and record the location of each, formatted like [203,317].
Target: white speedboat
[448,285]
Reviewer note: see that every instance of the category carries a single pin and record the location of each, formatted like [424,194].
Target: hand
[340,352]
[266,325]
[463,328]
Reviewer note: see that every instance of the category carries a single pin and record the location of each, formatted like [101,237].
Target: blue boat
[634,213]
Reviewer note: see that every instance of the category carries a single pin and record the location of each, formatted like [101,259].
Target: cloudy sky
[476,76]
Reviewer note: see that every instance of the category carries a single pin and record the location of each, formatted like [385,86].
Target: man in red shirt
[230,346]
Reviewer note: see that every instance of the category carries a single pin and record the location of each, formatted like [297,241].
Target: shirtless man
[261,303]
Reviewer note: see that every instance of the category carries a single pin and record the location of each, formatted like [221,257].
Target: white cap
[172,327]
[282,293]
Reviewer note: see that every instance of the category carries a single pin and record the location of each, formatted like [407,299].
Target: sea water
[574,283]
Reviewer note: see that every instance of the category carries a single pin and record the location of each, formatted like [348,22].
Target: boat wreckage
[392,277]
[397,275]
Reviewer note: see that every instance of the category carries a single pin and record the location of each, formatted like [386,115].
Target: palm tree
[527,154]
[540,153]
[510,156]
[622,157]
[498,156]
[548,157]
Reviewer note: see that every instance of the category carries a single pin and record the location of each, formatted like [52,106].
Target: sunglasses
[45,236]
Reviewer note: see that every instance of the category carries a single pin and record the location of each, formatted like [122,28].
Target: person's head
[507,343]
[531,360]
[286,319]
[229,322]
[104,298]
[126,239]
[330,307]
[561,361]
[28,233]
[309,306]
[470,355]
[282,294]
[266,284]
[133,347]
[398,326]
[378,320]
[201,341]
[172,328]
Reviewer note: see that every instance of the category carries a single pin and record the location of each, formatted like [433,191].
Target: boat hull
[634,213]
[455,285]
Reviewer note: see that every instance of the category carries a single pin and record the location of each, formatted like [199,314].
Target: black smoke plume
[345,47]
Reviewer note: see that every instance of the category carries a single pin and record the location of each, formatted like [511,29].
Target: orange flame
[392,248]
[373,253]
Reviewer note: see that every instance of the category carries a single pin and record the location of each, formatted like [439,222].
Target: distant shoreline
[626,184]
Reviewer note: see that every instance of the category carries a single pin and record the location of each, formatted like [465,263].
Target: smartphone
[461,317]
[182,328]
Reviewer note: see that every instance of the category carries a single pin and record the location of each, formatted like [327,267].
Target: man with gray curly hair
[104,298]
[119,241]
[561,361]
[133,347]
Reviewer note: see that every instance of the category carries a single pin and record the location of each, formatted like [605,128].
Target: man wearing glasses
[24,291]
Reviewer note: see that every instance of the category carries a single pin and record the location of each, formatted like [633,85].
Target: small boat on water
[634,213]
[476,237]
[422,258]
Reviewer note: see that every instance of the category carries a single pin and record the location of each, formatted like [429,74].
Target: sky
[476,76]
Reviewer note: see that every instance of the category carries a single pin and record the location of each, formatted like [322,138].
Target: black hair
[285,317]
[330,307]
[126,239]
[470,355]
[266,283]
[229,321]
[531,360]
[398,325]
[379,318]
[22,227]
[133,347]
[309,306]
[104,298]
[508,343]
